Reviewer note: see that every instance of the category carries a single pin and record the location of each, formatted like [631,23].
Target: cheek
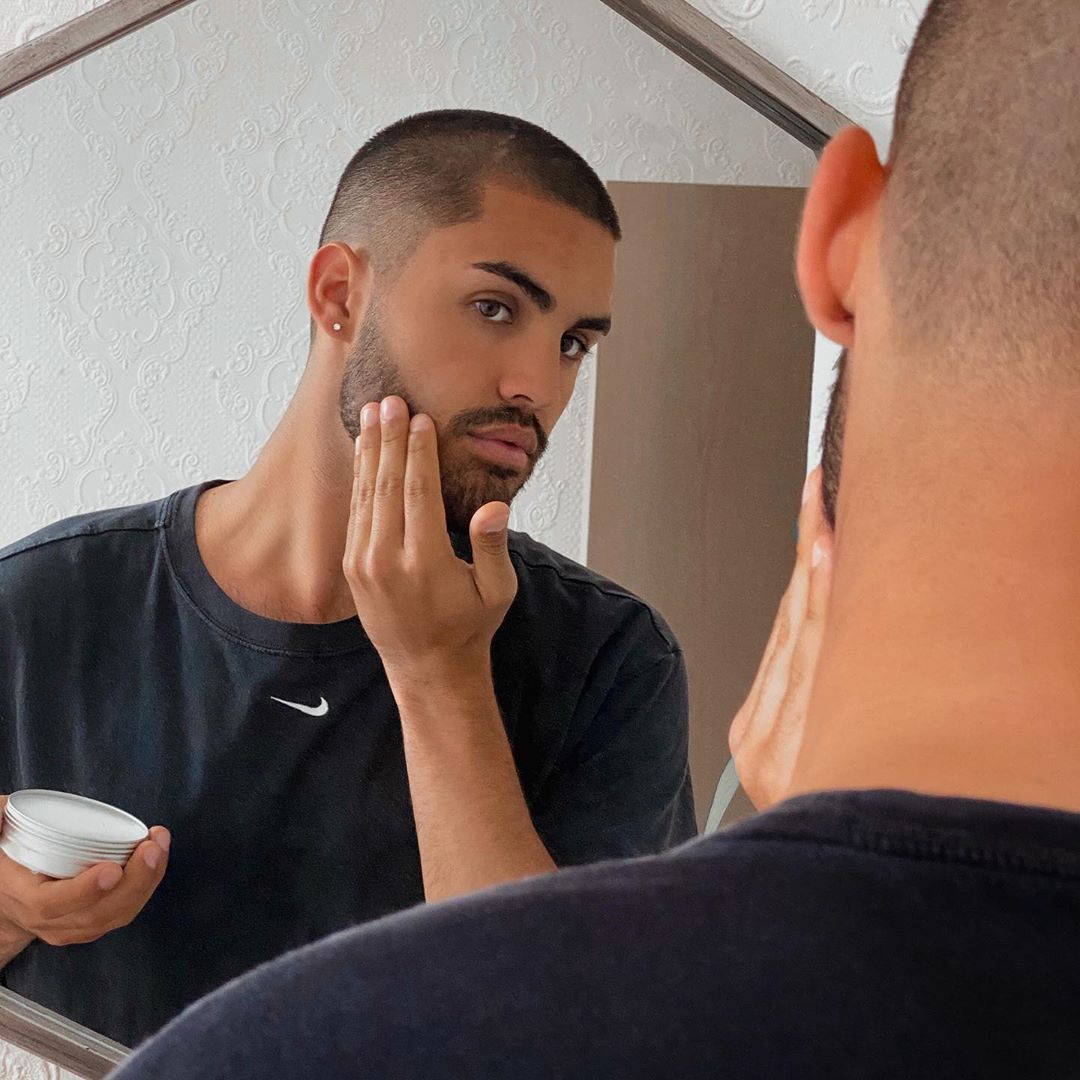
[570,379]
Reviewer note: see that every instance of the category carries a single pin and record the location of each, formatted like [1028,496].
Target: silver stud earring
[337,327]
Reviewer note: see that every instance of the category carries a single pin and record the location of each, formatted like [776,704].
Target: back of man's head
[981,218]
[429,171]
[980,215]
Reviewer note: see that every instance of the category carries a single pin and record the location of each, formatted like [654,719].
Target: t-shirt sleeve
[625,789]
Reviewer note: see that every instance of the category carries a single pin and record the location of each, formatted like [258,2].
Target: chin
[462,501]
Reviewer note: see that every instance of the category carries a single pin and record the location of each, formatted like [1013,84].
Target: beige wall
[702,406]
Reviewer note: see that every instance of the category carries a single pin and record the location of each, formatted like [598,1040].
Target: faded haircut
[981,215]
[429,171]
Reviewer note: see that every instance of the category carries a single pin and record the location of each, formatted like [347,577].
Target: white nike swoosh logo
[312,710]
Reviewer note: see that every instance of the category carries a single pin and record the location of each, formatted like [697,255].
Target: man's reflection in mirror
[332,694]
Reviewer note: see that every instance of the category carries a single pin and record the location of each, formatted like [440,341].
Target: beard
[371,374]
[832,441]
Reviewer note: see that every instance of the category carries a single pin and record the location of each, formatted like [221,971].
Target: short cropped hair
[981,214]
[429,171]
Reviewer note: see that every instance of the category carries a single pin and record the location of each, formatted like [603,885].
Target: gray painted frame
[77,38]
[46,1034]
[677,26]
[705,45]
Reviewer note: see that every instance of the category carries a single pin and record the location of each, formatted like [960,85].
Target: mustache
[498,416]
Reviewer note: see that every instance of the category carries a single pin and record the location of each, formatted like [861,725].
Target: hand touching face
[767,732]
[424,609]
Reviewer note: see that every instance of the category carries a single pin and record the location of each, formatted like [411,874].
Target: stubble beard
[371,374]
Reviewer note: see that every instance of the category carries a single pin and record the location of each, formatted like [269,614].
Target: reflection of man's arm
[12,942]
[472,824]
[432,617]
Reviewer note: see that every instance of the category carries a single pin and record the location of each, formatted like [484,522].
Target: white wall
[850,52]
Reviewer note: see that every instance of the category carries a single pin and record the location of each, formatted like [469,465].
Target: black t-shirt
[843,935]
[128,675]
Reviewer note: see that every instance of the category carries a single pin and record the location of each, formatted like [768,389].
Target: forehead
[547,239]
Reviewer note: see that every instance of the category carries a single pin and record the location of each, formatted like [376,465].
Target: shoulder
[48,556]
[556,589]
[532,979]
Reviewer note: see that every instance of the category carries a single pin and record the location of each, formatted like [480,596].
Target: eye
[573,348]
[494,311]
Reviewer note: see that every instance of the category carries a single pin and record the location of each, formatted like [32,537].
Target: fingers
[811,514]
[142,874]
[494,573]
[388,513]
[768,687]
[34,898]
[821,563]
[83,908]
[425,515]
[766,735]
[397,486]
[365,471]
[808,642]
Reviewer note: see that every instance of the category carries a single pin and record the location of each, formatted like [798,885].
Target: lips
[523,438]
[509,448]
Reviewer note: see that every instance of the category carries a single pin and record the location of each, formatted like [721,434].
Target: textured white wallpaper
[160,199]
[850,52]
[21,20]
[16,1064]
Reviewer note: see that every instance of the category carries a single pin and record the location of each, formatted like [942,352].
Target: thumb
[495,577]
[821,566]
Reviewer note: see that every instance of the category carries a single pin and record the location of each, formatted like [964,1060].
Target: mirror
[161,200]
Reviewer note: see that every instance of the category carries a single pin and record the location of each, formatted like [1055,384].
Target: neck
[274,540]
[950,659]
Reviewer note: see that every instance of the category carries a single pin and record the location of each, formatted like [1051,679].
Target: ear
[339,289]
[840,211]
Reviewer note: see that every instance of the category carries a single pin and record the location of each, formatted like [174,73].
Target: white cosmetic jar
[59,834]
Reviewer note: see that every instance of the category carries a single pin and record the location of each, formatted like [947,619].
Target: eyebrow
[600,323]
[528,285]
[539,295]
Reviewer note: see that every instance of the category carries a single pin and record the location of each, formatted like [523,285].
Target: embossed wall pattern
[21,20]
[850,52]
[159,201]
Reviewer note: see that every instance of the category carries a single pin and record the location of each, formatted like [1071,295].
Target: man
[912,908]
[199,661]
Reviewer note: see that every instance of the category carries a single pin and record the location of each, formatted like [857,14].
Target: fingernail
[496,524]
[152,856]
[368,415]
[389,408]
[109,877]
[818,554]
[163,840]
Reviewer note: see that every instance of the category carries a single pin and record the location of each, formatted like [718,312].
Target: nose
[532,376]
